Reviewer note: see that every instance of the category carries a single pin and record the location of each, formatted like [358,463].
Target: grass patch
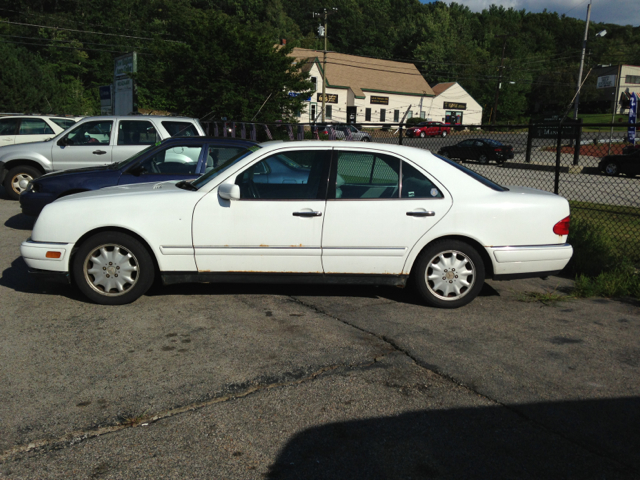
[606,250]
[547,298]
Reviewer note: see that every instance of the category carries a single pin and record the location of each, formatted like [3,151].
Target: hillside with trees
[206,57]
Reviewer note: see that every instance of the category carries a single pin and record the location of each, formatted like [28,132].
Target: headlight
[32,187]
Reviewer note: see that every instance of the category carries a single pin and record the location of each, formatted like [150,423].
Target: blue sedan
[175,158]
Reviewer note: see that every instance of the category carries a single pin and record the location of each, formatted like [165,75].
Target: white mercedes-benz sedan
[303,212]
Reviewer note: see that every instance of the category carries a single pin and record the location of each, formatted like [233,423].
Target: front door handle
[421,214]
[99,152]
[307,214]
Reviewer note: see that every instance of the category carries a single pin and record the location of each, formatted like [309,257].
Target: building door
[453,118]
[351,114]
[312,115]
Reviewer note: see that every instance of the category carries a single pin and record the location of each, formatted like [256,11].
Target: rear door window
[136,132]
[34,126]
[365,175]
[8,126]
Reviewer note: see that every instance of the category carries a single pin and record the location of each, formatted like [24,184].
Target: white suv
[31,128]
[91,142]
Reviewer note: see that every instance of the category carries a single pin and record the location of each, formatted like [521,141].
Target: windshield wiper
[185,185]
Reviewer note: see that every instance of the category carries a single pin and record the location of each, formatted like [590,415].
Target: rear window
[181,129]
[63,122]
[483,180]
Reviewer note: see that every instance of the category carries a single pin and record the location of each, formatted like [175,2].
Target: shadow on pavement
[20,222]
[586,440]
[402,295]
[18,278]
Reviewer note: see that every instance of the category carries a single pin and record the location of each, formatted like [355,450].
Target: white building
[618,82]
[371,91]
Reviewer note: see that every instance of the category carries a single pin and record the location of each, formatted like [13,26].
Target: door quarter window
[293,175]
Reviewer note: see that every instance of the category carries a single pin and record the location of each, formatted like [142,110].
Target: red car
[429,129]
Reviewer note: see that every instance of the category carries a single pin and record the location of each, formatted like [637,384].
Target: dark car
[628,164]
[630,149]
[176,158]
[481,149]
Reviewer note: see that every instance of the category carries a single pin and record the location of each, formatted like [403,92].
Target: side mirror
[63,142]
[137,170]
[229,191]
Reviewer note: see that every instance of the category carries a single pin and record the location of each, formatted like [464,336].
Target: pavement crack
[72,438]
[461,384]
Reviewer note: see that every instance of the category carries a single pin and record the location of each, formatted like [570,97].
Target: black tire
[483,159]
[422,134]
[366,139]
[15,176]
[118,250]
[611,169]
[468,280]
[444,133]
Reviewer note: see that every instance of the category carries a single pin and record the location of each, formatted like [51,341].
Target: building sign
[105,100]
[454,106]
[379,100]
[124,102]
[330,98]
[607,81]
[549,129]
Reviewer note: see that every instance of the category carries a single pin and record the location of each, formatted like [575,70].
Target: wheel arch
[131,233]
[8,165]
[486,259]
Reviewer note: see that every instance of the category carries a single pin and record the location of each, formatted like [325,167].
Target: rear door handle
[307,214]
[99,152]
[421,214]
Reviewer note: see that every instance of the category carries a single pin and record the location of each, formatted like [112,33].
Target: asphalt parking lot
[291,382]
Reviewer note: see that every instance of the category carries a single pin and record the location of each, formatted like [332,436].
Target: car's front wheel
[483,159]
[449,274]
[611,169]
[422,134]
[444,133]
[113,268]
[366,139]
[18,178]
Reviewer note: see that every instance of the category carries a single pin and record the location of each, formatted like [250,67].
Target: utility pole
[584,48]
[495,103]
[323,32]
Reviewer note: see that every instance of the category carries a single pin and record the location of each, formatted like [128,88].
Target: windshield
[129,160]
[206,178]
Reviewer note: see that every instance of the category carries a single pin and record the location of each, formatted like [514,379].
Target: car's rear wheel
[444,134]
[483,159]
[18,178]
[366,139]
[113,268]
[449,274]
[611,169]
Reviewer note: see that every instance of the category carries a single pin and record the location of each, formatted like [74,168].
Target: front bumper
[32,202]
[531,260]
[35,256]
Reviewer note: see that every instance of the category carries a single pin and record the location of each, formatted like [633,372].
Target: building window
[314,80]
[423,114]
[383,115]
[327,112]
[409,114]
[396,115]
[367,115]
[635,79]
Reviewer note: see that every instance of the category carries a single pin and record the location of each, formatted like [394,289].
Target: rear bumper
[35,256]
[531,260]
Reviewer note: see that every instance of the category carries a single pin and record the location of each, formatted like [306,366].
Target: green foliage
[202,56]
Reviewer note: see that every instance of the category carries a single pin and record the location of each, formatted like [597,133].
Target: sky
[621,12]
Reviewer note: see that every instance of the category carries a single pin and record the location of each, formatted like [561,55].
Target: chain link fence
[591,165]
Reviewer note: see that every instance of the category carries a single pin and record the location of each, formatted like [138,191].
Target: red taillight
[562,227]
[325,132]
[497,149]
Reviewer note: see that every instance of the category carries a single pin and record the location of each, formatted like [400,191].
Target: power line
[69,48]
[70,41]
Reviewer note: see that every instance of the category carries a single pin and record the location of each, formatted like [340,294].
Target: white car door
[378,207]
[276,226]
[8,127]
[86,145]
